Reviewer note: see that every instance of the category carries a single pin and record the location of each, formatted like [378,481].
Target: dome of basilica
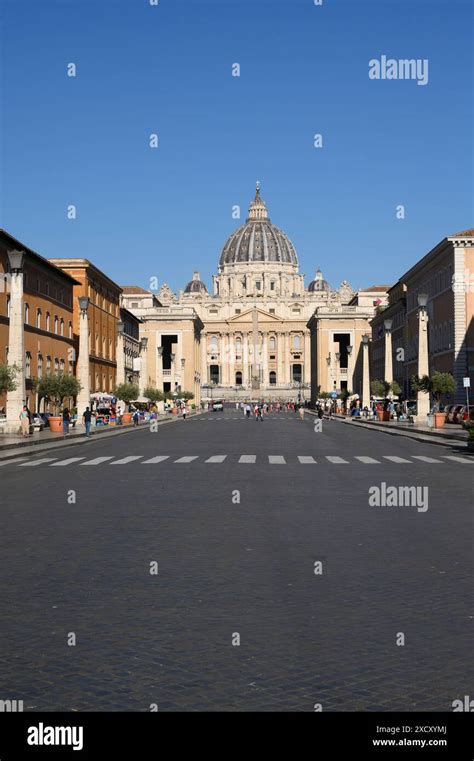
[319,283]
[258,240]
[195,285]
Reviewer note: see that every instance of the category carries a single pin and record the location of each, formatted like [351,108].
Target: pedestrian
[184,411]
[248,410]
[259,413]
[301,412]
[66,421]
[136,417]
[25,422]
[86,418]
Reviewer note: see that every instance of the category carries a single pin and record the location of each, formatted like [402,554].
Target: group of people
[259,409]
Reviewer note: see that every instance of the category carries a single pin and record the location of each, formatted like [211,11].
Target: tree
[383,388]
[8,378]
[56,388]
[438,385]
[153,394]
[186,395]
[127,392]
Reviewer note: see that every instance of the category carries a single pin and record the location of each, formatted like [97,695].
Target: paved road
[236,513]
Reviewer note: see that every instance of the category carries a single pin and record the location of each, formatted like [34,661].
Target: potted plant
[437,385]
[384,388]
[127,392]
[55,389]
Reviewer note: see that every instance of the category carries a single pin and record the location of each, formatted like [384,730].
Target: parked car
[454,414]
[37,422]
[467,413]
[448,410]
[45,418]
[217,406]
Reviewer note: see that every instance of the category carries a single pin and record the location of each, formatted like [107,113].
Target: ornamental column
[423,397]
[365,372]
[203,370]
[224,359]
[231,358]
[84,396]
[143,381]
[388,374]
[307,358]
[16,341]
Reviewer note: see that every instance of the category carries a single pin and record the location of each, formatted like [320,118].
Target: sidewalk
[449,435]
[42,441]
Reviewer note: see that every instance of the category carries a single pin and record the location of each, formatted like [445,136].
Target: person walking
[301,412]
[259,413]
[184,411]
[136,417]
[66,421]
[25,422]
[86,419]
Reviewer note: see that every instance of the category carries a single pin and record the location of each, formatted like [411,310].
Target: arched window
[272,378]
[238,378]
[48,364]
[47,321]
[70,329]
[27,314]
[61,366]
[38,318]
[40,366]
[61,327]
[56,366]
[56,322]
[28,365]
[272,343]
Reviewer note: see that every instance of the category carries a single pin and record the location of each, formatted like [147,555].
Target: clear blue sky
[167,69]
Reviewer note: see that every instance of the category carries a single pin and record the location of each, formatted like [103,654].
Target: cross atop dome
[258,209]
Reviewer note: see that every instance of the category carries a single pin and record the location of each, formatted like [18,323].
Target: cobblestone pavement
[236,547]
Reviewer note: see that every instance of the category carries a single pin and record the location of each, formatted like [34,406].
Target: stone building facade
[49,339]
[251,331]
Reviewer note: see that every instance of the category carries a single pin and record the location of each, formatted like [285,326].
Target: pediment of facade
[247,317]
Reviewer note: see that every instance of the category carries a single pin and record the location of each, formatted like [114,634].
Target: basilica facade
[254,331]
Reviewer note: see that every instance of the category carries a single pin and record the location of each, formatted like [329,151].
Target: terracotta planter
[439,419]
[127,418]
[383,416]
[55,423]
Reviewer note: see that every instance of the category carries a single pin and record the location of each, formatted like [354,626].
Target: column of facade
[16,341]
[279,358]
[264,364]
[231,359]
[224,359]
[203,371]
[423,397]
[245,359]
[287,376]
[365,373]
[388,374]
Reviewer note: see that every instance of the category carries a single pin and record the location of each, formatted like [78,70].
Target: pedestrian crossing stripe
[247,459]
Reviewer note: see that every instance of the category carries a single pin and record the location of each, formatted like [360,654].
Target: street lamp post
[84,397]
[350,380]
[365,371]
[423,397]
[16,341]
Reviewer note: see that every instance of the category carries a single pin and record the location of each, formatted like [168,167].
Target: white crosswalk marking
[337,460]
[426,459]
[32,463]
[216,458]
[66,462]
[276,459]
[248,458]
[368,460]
[97,460]
[125,460]
[458,459]
[154,460]
[186,459]
[306,459]
[14,459]
[393,458]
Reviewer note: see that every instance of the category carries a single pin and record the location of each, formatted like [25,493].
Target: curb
[430,438]
[14,450]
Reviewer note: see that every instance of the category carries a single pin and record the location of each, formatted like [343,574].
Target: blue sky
[141,69]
